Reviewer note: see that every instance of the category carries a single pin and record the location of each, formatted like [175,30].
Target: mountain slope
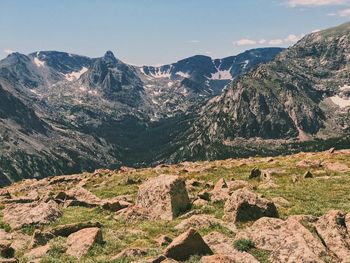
[302,95]
[64,113]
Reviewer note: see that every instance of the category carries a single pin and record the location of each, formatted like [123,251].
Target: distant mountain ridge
[101,112]
[301,95]
[65,113]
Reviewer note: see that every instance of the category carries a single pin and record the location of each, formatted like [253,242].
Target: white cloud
[245,42]
[276,42]
[193,41]
[296,3]
[8,51]
[290,39]
[293,38]
[344,13]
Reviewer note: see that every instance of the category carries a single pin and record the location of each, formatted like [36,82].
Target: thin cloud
[245,42]
[344,13]
[8,51]
[272,42]
[310,3]
[276,42]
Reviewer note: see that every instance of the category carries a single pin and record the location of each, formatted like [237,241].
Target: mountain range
[62,113]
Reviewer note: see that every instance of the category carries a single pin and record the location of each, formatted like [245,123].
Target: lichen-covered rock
[244,205]
[80,242]
[114,204]
[37,213]
[78,196]
[222,246]
[332,229]
[229,258]
[198,221]
[289,241]
[37,253]
[187,244]
[165,197]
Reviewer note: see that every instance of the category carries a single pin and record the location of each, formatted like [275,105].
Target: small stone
[308,174]
[163,240]
[255,173]
[205,195]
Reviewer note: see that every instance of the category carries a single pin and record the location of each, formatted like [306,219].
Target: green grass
[313,196]
[244,245]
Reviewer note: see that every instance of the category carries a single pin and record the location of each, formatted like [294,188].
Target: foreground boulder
[31,214]
[165,197]
[244,205]
[332,229]
[79,243]
[187,244]
[222,246]
[219,258]
[289,241]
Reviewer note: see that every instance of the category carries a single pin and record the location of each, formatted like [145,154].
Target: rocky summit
[210,211]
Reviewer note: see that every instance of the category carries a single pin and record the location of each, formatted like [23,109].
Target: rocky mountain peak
[109,58]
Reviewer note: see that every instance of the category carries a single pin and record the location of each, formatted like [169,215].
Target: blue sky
[161,31]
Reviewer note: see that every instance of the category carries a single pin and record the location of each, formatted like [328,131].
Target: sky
[155,32]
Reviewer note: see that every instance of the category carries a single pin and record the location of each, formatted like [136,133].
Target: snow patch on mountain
[183,74]
[76,74]
[39,63]
[221,75]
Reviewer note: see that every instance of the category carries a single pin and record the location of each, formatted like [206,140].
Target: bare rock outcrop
[222,246]
[198,221]
[289,241]
[165,197]
[331,227]
[29,214]
[244,205]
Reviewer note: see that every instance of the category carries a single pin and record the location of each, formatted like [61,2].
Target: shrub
[243,245]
